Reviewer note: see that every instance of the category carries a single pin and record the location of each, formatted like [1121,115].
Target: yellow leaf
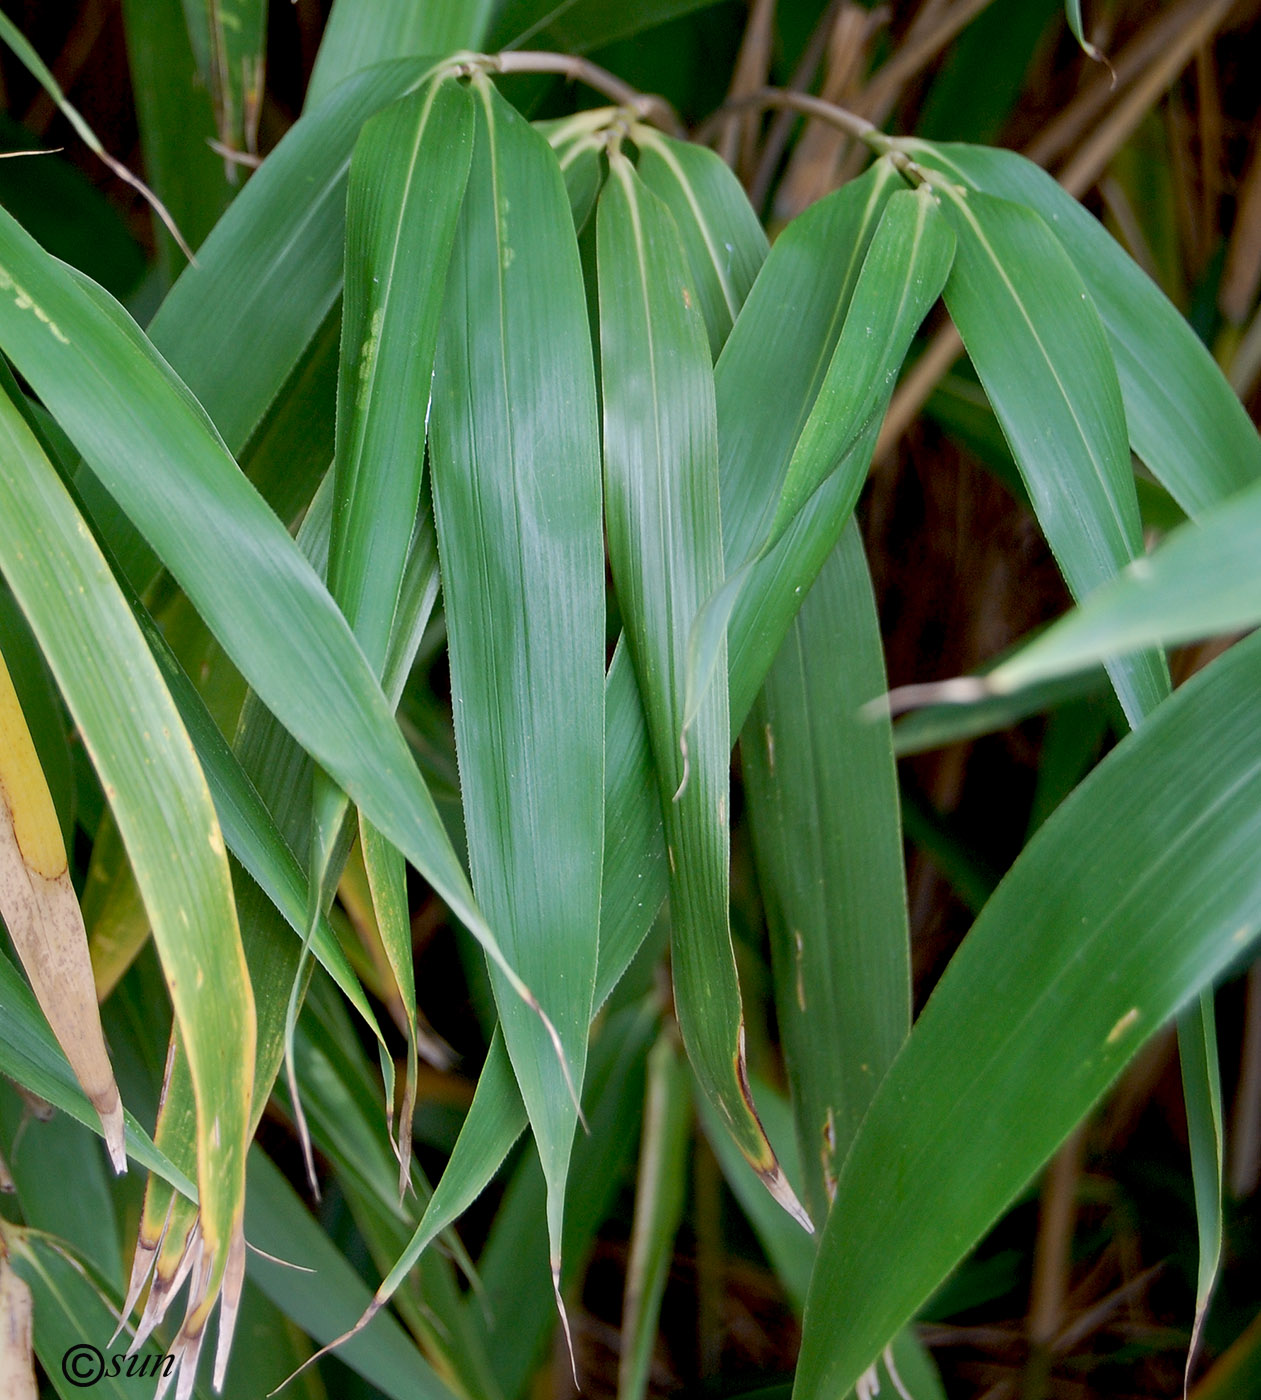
[42,913]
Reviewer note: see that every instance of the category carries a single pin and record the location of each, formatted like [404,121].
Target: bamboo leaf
[360,33]
[164,811]
[174,113]
[1202,1089]
[1072,12]
[660,1189]
[665,555]
[579,142]
[327,1292]
[514,1263]
[515,460]
[495,1120]
[236,325]
[30,1056]
[1204,578]
[73,1320]
[407,182]
[576,26]
[722,237]
[170,472]
[792,321]
[1184,420]
[41,913]
[1132,897]
[1041,354]
[387,878]
[822,798]
[902,276]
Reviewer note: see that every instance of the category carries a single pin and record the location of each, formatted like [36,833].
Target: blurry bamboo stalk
[1242,278]
[707,1193]
[737,143]
[1212,169]
[923,44]
[924,41]
[802,80]
[1198,20]
[812,168]
[828,158]
[1245,1139]
[68,64]
[1245,367]
[1093,156]
[1155,38]
[1052,1257]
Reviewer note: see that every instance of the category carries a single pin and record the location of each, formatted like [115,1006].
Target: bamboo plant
[482,481]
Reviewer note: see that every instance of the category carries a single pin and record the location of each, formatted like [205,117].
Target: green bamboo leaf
[1127,903]
[1185,421]
[514,1263]
[174,113]
[938,725]
[30,1055]
[1091,531]
[822,798]
[387,877]
[1072,12]
[348,1125]
[724,241]
[660,1190]
[41,1157]
[792,321]
[495,1120]
[515,460]
[283,773]
[14,39]
[1204,578]
[249,828]
[902,276]
[169,471]
[792,1253]
[1041,353]
[790,1250]
[236,325]
[575,26]
[164,811]
[407,182]
[326,1291]
[360,33]
[665,556]
[579,142]
[73,1314]
[1202,1089]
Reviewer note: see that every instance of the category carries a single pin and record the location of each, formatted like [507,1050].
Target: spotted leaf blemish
[24,302]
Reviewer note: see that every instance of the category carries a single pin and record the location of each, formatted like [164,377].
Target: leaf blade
[515,461]
[1153,839]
